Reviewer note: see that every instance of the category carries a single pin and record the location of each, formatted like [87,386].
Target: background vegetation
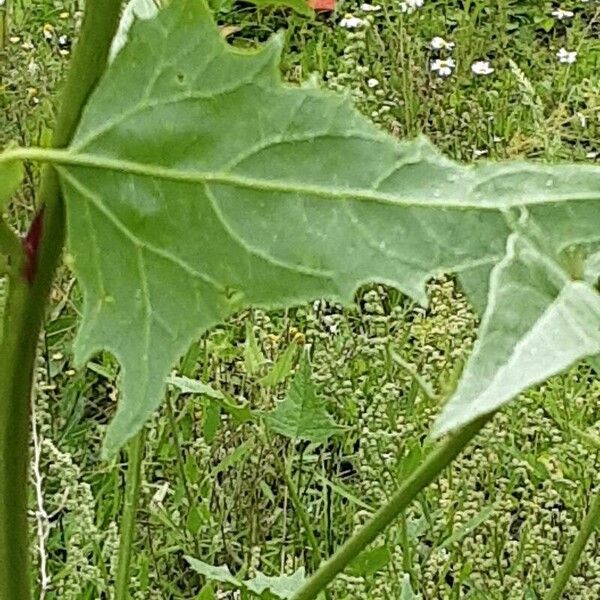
[497,524]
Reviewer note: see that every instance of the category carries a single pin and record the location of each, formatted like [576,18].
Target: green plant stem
[130,507]
[589,524]
[25,309]
[181,465]
[3,25]
[433,465]
[299,508]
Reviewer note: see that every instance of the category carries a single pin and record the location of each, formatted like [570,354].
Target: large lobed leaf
[538,322]
[205,185]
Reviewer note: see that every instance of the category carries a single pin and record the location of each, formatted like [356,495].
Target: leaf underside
[206,185]
[538,322]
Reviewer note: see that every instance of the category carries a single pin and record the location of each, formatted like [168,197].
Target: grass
[498,523]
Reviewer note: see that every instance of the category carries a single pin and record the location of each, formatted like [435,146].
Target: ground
[498,523]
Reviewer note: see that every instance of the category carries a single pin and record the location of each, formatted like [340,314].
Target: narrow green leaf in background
[220,574]
[192,386]
[11,174]
[282,368]
[282,586]
[253,356]
[407,592]
[370,561]
[302,415]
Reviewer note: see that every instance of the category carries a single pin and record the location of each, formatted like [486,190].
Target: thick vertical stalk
[130,507]
[431,468]
[3,24]
[590,522]
[28,292]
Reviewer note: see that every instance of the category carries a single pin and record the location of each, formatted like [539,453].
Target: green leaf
[591,269]
[302,415]
[220,574]
[198,184]
[134,10]
[538,322]
[253,357]
[282,367]
[211,422]
[300,6]
[11,175]
[371,561]
[240,412]
[283,586]
[460,532]
[406,592]
[193,386]
[206,593]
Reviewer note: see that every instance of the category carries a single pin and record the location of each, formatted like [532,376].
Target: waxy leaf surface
[198,184]
[537,323]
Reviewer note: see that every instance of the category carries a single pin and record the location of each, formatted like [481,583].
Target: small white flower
[372,82]
[351,22]
[439,43]
[411,5]
[443,67]
[592,155]
[370,7]
[478,153]
[33,68]
[2,2]
[481,67]
[561,14]
[582,119]
[566,57]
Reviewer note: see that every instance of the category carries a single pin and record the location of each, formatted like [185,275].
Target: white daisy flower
[482,67]
[443,67]
[439,43]
[561,14]
[370,7]
[372,82]
[566,57]
[351,22]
